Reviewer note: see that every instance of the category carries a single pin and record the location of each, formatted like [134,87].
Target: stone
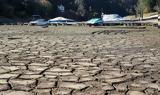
[46,84]
[108,87]
[22,84]
[84,60]
[137,87]
[116,80]
[89,91]
[136,74]
[10,68]
[117,74]
[116,93]
[147,66]
[121,87]
[100,60]
[58,73]
[2,53]
[63,91]
[42,91]
[82,73]
[37,68]
[7,76]
[113,75]
[38,64]
[69,78]
[18,64]
[72,85]
[28,72]
[135,93]
[3,81]
[86,79]
[18,93]
[150,91]
[154,86]
[46,56]
[2,70]
[29,76]
[50,76]
[21,67]
[87,64]
[4,87]
[58,70]
[127,65]
[94,72]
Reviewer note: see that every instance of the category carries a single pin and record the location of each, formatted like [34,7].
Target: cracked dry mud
[57,61]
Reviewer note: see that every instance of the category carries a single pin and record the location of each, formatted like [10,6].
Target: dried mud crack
[71,61]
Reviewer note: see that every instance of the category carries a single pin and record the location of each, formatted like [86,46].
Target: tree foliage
[77,9]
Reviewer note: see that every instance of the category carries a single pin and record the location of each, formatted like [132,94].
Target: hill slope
[77,9]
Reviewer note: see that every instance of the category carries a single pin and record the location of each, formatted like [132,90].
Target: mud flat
[79,61]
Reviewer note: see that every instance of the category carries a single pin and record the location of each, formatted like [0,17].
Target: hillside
[76,9]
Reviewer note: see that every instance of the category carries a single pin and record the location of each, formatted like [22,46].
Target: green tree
[80,7]
[140,8]
[76,9]
[158,4]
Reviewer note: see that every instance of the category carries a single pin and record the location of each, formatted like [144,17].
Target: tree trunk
[141,15]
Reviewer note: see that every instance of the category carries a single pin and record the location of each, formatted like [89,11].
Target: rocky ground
[79,61]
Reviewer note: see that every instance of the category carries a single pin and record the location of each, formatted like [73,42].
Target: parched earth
[79,61]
